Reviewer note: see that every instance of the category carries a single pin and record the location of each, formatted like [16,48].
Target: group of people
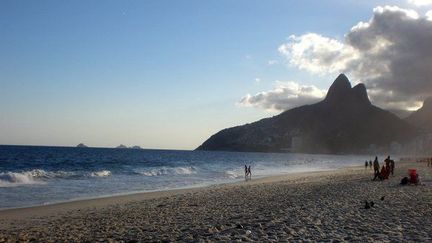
[387,168]
[368,164]
[248,173]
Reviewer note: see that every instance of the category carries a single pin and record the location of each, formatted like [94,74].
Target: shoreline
[173,190]
[106,200]
[311,206]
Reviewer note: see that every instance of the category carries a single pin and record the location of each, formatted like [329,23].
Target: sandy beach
[321,206]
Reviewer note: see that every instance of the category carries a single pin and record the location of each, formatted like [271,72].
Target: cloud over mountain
[391,53]
[285,95]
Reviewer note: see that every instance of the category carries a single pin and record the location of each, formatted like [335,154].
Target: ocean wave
[160,171]
[8,179]
[102,173]
[39,176]
[233,174]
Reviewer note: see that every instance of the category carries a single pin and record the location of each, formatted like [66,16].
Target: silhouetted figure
[384,172]
[392,166]
[378,175]
[370,164]
[387,163]
[249,172]
[366,164]
[246,172]
[376,166]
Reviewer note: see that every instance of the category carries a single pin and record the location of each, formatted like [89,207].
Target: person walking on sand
[249,172]
[366,164]
[246,172]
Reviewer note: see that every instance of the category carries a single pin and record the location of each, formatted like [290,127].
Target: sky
[169,74]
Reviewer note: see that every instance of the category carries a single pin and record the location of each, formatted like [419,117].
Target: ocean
[32,175]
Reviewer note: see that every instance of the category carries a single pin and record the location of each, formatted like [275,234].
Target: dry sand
[323,206]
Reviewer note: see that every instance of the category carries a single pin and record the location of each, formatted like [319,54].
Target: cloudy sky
[168,74]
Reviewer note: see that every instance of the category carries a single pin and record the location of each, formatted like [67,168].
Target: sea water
[32,175]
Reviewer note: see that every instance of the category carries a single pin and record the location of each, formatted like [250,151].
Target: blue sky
[159,74]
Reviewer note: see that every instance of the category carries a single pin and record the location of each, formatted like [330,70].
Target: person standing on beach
[392,166]
[249,172]
[366,165]
[246,172]
[376,166]
[387,163]
[370,164]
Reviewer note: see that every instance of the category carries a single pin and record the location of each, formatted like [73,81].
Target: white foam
[8,179]
[102,173]
[233,174]
[35,176]
[168,171]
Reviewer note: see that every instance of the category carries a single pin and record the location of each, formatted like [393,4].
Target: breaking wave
[22,178]
[233,174]
[11,178]
[102,173]
[39,176]
[168,171]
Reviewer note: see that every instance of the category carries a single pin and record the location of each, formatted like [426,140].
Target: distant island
[121,146]
[81,145]
[344,122]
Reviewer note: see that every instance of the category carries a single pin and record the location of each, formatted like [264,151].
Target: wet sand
[320,206]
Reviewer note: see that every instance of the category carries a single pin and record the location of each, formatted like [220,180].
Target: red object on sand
[412,172]
[413,175]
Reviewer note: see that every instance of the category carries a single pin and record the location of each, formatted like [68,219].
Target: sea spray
[8,179]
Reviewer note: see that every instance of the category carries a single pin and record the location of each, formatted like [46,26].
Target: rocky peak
[340,92]
[360,93]
[340,88]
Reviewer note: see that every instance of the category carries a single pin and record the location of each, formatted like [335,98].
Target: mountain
[422,118]
[344,122]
